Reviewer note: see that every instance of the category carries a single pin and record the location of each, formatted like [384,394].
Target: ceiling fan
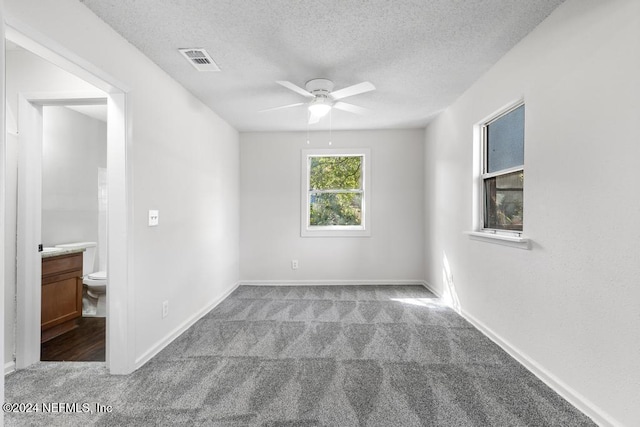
[322,97]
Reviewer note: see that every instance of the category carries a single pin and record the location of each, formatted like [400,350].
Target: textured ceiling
[421,54]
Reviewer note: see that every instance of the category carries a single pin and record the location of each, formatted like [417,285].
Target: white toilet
[96,281]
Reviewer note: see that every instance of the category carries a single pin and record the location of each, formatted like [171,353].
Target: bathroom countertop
[62,252]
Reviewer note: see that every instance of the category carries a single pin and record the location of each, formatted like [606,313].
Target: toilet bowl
[95,281]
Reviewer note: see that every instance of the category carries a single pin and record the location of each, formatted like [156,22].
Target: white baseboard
[329,282]
[431,289]
[9,367]
[569,394]
[160,345]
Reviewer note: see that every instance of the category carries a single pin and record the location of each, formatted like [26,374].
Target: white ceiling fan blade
[313,119]
[280,108]
[350,108]
[295,88]
[353,90]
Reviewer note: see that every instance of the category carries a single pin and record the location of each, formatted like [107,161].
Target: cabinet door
[61,301]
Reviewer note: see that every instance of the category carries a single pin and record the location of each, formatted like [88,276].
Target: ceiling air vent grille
[200,59]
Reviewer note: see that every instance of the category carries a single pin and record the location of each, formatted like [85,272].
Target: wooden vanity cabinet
[61,294]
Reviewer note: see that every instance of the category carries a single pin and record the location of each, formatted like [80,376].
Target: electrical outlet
[165,309]
[294,264]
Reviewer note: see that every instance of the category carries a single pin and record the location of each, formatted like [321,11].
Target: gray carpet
[309,356]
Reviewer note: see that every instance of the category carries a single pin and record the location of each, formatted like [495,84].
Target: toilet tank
[88,256]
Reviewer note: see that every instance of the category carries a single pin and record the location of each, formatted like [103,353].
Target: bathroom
[74,217]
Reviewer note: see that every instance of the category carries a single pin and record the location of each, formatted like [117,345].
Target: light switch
[153,218]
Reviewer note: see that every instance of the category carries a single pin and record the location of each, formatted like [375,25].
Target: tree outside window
[335,191]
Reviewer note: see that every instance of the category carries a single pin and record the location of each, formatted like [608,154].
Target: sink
[51,250]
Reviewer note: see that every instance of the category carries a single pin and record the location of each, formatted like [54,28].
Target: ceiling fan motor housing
[322,102]
[319,86]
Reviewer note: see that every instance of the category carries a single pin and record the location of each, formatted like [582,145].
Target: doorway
[73,235]
[28,266]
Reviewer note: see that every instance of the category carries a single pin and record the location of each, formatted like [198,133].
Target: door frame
[3,161]
[120,357]
[29,217]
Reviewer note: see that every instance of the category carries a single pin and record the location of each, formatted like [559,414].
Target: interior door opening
[73,233]
[24,143]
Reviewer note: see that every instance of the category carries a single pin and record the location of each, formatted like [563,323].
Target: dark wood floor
[86,343]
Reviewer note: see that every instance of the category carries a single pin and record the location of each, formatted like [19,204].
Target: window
[503,171]
[335,195]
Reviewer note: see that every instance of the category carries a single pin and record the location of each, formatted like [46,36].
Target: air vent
[200,59]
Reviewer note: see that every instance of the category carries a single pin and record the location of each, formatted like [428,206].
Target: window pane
[335,209]
[503,204]
[505,141]
[334,172]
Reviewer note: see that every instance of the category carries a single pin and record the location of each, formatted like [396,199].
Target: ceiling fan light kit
[323,98]
[320,106]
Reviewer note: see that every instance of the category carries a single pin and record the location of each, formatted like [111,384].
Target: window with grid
[503,171]
[334,199]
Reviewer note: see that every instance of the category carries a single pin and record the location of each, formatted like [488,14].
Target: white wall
[570,305]
[185,163]
[270,210]
[74,146]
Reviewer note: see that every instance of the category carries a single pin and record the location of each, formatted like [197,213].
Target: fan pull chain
[308,118]
[330,125]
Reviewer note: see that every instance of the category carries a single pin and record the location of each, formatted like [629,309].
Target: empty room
[320,213]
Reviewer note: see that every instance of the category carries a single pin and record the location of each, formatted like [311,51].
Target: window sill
[335,232]
[500,239]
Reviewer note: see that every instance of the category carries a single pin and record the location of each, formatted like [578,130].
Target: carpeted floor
[309,356]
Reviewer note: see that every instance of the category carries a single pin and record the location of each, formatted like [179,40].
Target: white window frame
[513,238]
[362,230]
